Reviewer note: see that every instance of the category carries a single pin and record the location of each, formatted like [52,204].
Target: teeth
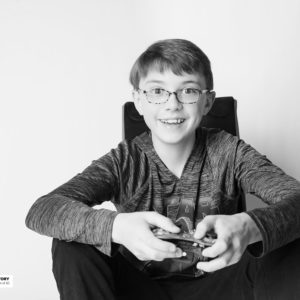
[173,121]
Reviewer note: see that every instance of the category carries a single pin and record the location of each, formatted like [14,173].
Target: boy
[177,177]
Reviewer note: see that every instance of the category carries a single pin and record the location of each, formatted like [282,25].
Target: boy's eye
[156,91]
[189,91]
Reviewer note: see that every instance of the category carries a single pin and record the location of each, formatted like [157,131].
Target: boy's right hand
[133,230]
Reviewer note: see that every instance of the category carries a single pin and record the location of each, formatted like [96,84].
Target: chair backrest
[222,115]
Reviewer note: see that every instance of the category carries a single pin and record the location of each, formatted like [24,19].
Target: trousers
[84,273]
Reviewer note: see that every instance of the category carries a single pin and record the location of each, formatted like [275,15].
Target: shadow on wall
[253,202]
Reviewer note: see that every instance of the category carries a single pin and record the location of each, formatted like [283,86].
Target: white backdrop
[64,69]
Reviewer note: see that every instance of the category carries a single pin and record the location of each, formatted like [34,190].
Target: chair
[222,115]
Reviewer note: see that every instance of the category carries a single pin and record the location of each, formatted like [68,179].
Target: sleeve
[279,222]
[67,213]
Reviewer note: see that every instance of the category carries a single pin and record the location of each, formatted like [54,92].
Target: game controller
[186,265]
[206,241]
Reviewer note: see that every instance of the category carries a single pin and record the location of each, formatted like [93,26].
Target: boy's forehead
[168,77]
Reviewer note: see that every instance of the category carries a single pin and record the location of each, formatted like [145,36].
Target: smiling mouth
[172,121]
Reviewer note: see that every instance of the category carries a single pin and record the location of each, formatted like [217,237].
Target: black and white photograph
[149,149]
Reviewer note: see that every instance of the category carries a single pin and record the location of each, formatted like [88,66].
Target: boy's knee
[65,251]
[81,271]
[74,256]
[277,276]
[284,258]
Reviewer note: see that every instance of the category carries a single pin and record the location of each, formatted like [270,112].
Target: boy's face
[172,122]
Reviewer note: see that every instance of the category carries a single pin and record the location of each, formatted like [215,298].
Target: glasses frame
[201,92]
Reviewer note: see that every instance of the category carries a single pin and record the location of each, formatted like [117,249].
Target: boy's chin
[172,139]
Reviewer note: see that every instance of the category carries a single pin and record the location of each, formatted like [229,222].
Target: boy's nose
[173,102]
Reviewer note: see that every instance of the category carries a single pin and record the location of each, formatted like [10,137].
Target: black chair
[222,115]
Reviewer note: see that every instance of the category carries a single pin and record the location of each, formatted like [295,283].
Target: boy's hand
[235,233]
[133,230]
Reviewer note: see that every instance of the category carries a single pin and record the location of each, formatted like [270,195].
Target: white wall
[64,75]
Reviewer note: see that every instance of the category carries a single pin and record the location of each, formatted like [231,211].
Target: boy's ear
[210,99]
[137,101]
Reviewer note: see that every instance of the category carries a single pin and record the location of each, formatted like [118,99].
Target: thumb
[204,226]
[163,222]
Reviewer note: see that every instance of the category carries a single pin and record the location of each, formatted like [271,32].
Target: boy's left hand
[235,233]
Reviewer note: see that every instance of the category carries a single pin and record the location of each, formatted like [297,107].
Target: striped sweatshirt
[132,176]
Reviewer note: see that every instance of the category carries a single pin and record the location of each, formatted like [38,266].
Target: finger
[168,249]
[160,245]
[163,222]
[161,255]
[165,248]
[154,254]
[219,247]
[156,249]
[217,263]
[207,224]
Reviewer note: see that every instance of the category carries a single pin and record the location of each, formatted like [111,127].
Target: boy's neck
[174,156]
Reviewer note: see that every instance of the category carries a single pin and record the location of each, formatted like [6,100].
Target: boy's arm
[279,223]
[67,214]
[275,225]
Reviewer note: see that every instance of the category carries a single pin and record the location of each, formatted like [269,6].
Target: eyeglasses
[184,96]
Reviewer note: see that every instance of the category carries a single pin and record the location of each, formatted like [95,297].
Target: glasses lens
[189,95]
[157,95]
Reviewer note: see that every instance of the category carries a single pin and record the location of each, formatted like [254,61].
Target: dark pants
[84,273]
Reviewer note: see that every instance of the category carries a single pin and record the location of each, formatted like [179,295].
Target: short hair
[178,55]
